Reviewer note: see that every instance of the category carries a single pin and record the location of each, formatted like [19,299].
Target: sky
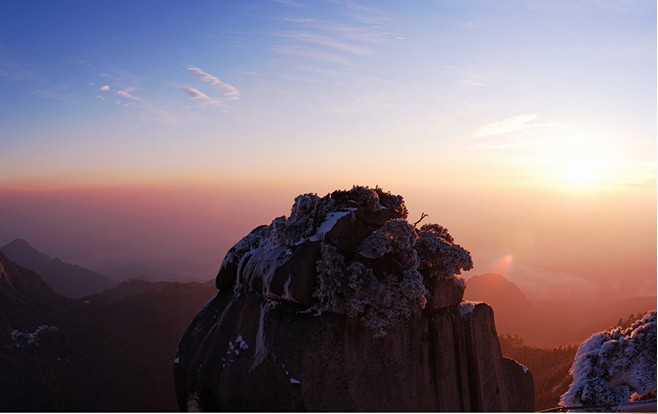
[168,129]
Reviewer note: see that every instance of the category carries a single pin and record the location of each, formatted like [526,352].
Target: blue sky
[124,90]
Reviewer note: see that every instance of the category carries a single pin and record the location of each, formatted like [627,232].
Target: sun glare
[582,172]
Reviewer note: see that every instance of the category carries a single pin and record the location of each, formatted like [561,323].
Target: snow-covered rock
[346,306]
[351,252]
[613,367]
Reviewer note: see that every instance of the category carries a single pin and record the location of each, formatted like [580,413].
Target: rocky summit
[346,306]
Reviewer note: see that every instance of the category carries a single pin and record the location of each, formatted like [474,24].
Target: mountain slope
[25,299]
[513,311]
[66,279]
[20,282]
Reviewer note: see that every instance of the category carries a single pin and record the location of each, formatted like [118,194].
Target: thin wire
[607,406]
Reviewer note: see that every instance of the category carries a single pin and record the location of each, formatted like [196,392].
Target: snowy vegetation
[373,264]
[613,367]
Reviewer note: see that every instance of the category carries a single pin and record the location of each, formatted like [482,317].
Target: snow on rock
[466,307]
[351,252]
[330,221]
[347,297]
[192,403]
[612,366]
[234,348]
[22,339]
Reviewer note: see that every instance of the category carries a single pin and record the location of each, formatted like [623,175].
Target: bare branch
[422,216]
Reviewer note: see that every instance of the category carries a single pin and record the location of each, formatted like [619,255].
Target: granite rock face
[345,306]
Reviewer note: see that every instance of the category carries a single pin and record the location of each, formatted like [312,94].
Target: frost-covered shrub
[370,199]
[439,256]
[306,214]
[353,289]
[612,366]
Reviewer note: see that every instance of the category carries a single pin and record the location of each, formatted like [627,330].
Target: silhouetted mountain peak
[495,283]
[494,287]
[66,279]
[20,248]
[19,244]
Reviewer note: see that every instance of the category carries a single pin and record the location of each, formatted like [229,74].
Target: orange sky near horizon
[548,240]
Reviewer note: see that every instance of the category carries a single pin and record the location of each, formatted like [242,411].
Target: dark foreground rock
[368,317]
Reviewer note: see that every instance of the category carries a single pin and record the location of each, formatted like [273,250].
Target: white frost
[294,381]
[611,366]
[260,354]
[234,348]
[30,338]
[177,360]
[466,307]
[241,343]
[193,403]
[330,221]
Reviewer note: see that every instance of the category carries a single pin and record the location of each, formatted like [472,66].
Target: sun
[582,172]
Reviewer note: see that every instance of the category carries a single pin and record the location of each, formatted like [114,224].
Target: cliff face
[344,306]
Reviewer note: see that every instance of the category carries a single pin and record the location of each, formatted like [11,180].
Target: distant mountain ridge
[548,323]
[67,279]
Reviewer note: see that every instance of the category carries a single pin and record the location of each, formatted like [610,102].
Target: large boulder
[345,306]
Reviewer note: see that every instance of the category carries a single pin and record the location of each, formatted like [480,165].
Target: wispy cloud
[302,20]
[330,42]
[291,3]
[128,95]
[508,125]
[196,94]
[365,14]
[367,34]
[471,82]
[201,97]
[160,115]
[124,93]
[55,92]
[14,69]
[499,146]
[375,103]
[309,52]
[229,90]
